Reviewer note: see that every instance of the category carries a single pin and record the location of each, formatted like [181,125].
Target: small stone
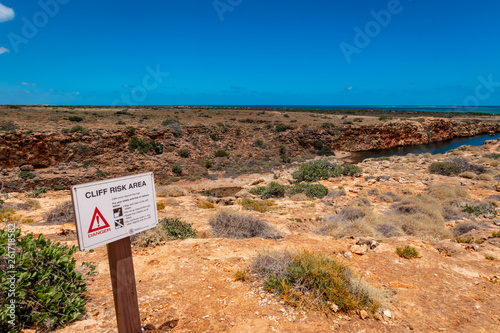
[334,307]
[387,313]
[359,249]
[363,314]
[377,316]
[348,254]
[148,327]
[27,167]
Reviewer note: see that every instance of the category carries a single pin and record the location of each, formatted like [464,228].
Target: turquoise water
[433,148]
[419,108]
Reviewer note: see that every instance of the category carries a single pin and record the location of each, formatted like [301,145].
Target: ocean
[418,108]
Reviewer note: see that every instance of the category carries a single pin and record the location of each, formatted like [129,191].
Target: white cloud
[349,88]
[6,13]
[28,84]
[3,50]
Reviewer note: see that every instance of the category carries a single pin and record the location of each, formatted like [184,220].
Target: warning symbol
[98,222]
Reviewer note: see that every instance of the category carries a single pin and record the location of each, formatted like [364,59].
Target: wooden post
[121,268]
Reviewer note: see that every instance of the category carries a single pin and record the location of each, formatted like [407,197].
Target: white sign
[112,209]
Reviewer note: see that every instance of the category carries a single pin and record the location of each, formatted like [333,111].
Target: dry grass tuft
[171,191]
[29,204]
[230,224]
[62,213]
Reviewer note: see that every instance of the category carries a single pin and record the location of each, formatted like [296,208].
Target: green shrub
[183,153]
[273,190]
[351,170]
[310,190]
[280,128]
[144,147]
[494,156]
[496,234]
[221,153]
[318,144]
[80,129]
[208,164]
[327,125]
[215,136]
[317,170]
[407,252]
[257,190]
[75,118]
[382,158]
[166,230]
[259,143]
[177,169]
[36,193]
[479,209]
[315,281]
[25,175]
[49,291]
[444,168]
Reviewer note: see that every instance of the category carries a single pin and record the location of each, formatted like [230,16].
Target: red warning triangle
[98,222]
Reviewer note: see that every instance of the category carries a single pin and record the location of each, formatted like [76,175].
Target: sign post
[107,213]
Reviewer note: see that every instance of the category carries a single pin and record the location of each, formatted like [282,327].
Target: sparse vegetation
[166,230]
[221,153]
[317,170]
[313,281]
[230,224]
[407,252]
[25,175]
[183,153]
[75,119]
[260,206]
[36,193]
[310,190]
[205,205]
[177,169]
[144,147]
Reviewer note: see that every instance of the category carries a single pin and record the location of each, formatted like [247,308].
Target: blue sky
[240,52]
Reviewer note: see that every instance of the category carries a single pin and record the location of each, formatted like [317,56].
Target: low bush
[36,193]
[221,153]
[177,169]
[494,156]
[407,252]
[484,177]
[464,228]
[281,128]
[25,175]
[260,206]
[351,170]
[350,221]
[310,190]
[75,118]
[166,230]
[49,289]
[171,191]
[62,213]
[215,136]
[496,234]
[336,194]
[317,170]
[313,281]
[389,197]
[468,175]
[208,164]
[444,168]
[29,204]
[80,129]
[229,224]
[144,147]
[259,143]
[183,153]
[273,190]
[205,205]
[299,197]
[479,208]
